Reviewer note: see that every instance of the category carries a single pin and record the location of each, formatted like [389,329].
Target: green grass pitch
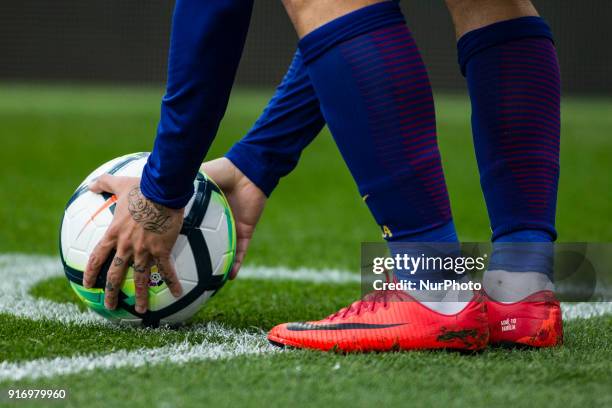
[52,137]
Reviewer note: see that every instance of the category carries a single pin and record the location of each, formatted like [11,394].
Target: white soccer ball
[203,254]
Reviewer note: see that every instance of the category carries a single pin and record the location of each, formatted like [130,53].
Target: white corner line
[220,343]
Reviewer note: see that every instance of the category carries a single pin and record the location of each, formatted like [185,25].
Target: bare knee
[295,5]
[470,15]
[308,15]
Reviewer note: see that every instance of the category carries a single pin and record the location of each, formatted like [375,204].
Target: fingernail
[177,292]
[141,309]
[109,307]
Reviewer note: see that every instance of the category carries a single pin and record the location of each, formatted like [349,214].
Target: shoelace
[368,303]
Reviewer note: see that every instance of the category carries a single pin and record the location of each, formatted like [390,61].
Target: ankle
[510,287]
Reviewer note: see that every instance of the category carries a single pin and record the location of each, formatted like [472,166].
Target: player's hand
[142,232]
[246,200]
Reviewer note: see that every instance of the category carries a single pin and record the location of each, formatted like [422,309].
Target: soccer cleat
[389,320]
[534,321]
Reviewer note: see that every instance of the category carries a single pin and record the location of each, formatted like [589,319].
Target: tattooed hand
[143,234]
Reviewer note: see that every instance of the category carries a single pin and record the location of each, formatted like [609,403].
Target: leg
[507,54]
[293,118]
[375,95]
[517,126]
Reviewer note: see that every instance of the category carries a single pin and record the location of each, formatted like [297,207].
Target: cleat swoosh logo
[302,326]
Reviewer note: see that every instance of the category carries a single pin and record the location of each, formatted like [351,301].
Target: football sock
[292,119]
[514,83]
[375,95]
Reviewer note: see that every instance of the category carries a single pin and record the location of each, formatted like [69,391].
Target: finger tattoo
[117,261]
[109,286]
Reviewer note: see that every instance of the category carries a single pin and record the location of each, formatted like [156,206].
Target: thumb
[105,183]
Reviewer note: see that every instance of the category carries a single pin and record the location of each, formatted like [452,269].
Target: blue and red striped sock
[514,83]
[375,95]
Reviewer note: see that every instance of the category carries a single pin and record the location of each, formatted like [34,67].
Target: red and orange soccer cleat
[389,320]
[534,321]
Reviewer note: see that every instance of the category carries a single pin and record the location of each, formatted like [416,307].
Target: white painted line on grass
[220,343]
[299,274]
[18,273]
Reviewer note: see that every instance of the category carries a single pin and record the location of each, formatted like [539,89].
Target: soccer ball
[203,254]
